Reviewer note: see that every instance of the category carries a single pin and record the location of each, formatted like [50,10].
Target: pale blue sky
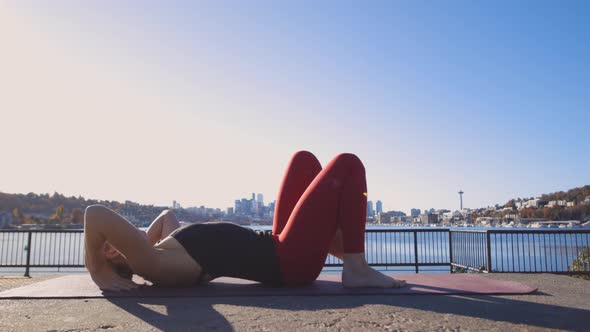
[204,102]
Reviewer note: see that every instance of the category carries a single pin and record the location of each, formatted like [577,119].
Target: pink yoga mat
[81,286]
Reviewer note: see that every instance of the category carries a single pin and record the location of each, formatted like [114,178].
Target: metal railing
[469,250]
[534,251]
[404,248]
[41,249]
[521,251]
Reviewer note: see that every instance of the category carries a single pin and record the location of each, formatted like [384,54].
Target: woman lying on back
[318,211]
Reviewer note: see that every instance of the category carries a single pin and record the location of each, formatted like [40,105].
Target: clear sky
[204,102]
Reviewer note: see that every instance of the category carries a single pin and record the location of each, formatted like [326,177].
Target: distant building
[586,200]
[383,218]
[487,221]
[253,203]
[379,207]
[370,211]
[531,203]
[429,218]
[415,212]
[271,209]
[243,206]
[406,219]
[230,211]
[562,202]
[396,213]
[260,199]
[5,219]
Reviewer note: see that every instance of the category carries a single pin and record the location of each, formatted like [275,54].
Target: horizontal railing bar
[45,265]
[405,230]
[467,230]
[411,248]
[395,264]
[41,231]
[537,231]
[549,272]
[419,230]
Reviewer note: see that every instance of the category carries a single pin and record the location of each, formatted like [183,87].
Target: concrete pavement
[562,303]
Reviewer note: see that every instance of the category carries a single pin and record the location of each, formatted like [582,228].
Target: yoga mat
[82,287]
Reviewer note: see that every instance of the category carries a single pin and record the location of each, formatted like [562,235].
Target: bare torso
[175,266]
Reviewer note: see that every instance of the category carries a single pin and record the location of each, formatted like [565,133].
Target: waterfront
[402,250]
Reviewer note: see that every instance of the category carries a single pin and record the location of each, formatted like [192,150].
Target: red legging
[312,205]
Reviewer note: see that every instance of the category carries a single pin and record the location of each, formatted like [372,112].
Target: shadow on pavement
[197,313]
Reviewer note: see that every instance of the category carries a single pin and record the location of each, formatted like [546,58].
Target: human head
[117,261]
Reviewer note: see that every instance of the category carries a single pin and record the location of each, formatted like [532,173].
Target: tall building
[370,211]
[379,207]
[238,206]
[415,212]
[260,199]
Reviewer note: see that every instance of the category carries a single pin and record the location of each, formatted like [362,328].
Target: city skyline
[200,102]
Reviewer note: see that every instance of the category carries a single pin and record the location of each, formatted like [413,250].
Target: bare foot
[357,273]
[369,278]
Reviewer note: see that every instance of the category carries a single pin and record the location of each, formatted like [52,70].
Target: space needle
[461,199]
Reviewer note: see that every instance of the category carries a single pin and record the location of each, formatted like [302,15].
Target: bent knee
[349,159]
[168,214]
[95,210]
[304,156]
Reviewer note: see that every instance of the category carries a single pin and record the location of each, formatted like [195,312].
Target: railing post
[488,252]
[416,250]
[450,251]
[29,244]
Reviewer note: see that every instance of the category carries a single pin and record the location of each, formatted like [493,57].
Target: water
[510,252]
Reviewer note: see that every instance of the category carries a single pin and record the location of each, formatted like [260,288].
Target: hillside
[578,197]
[34,208]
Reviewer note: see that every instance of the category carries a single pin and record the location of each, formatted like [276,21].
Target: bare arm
[162,226]
[102,224]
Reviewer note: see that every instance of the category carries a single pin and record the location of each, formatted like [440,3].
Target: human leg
[164,224]
[302,169]
[336,199]
[335,202]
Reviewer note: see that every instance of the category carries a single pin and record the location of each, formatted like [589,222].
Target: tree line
[58,209]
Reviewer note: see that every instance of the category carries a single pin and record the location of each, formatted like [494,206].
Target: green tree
[582,263]
[58,216]
[76,217]
[511,204]
[17,216]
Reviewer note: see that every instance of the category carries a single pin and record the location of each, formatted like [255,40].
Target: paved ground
[8,282]
[563,303]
